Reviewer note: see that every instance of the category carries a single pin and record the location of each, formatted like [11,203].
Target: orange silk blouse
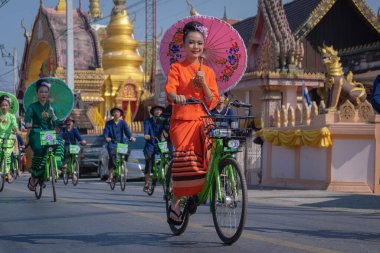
[180,82]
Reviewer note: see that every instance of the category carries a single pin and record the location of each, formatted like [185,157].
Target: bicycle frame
[50,158]
[218,153]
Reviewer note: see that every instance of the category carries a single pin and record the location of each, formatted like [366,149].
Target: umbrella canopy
[224,52]
[13,107]
[60,95]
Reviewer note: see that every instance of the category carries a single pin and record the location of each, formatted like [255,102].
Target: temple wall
[350,164]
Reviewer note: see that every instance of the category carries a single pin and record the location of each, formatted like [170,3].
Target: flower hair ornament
[202,29]
[45,84]
[8,100]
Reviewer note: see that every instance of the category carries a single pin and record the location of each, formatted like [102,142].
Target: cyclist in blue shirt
[114,132]
[222,110]
[376,94]
[70,135]
[153,128]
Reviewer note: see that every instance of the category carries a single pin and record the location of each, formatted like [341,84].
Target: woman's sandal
[171,220]
[31,187]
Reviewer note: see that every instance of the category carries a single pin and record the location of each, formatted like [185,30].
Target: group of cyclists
[188,149]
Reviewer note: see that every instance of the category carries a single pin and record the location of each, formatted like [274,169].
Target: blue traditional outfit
[154,128]
[117,133]
[224,112]
[376,94]
[70,137]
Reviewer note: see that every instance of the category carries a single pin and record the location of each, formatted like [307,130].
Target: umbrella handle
[201,59]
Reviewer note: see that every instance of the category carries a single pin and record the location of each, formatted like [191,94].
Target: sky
[168,12]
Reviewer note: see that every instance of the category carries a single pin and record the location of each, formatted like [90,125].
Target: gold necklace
[45,114]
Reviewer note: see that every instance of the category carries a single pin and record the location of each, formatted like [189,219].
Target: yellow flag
[128,115]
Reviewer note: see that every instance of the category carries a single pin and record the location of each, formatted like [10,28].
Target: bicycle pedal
[43,186]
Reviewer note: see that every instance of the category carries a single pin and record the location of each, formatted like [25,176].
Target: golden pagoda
[95,9]
[123,86]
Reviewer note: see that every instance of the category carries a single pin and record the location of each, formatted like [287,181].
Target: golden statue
[336,83]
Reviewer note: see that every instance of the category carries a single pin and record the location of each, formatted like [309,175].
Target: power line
[3,2]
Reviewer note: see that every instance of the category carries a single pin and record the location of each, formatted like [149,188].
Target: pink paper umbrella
[225,52]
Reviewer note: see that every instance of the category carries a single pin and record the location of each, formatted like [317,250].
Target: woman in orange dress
[185,80]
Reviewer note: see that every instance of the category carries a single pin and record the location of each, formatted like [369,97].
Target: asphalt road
[92,218]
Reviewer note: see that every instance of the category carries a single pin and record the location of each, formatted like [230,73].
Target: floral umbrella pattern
[224,50]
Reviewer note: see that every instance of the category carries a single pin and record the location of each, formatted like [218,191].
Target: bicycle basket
[231,127]
[7,143]
[74,149]
[48,138]
[163,147]
[122,149]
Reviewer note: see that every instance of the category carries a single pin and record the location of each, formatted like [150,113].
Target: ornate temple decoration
[45,55]
[336,83]
[95,11]
[273,43]
[121,63]
[61,6]
[324,7]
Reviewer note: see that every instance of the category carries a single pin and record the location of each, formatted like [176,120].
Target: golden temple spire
[61,6]
[120,58]
[95,9]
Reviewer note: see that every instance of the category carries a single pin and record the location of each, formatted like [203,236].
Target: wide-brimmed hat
[117,108]
[155,107]
[69,119]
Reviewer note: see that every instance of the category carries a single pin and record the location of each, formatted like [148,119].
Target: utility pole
[15,70]
[69,45]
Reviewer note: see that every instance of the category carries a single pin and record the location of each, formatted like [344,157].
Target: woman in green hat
[40,116]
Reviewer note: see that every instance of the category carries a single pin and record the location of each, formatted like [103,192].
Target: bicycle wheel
[52,176]
[39,187]
[66,176]
[123,175]
[2,176]
[152,184]
[113,182]
[15,166]
[229,210]
[75,175]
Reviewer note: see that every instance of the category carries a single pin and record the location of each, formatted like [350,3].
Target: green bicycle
[225,181]
[6,143]
[49,140]
[120,172]
[159,167]
[72,165]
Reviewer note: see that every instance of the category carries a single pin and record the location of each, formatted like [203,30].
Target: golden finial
[61,6]
[95,9]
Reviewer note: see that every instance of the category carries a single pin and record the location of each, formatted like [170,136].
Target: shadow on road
[110,239]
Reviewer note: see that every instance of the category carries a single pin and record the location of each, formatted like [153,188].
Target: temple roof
[86,51]
[304,15]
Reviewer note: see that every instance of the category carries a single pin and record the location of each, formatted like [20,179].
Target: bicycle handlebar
[236,103]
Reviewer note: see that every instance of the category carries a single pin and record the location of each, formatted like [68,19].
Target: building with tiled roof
[283,45]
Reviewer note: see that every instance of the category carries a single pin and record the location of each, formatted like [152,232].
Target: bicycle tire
[65,177]
[38,190]
[2,177]
[150,190]
[123,175]
[15,167]
[113,183]
[52,176]
[233,194]
[75,172]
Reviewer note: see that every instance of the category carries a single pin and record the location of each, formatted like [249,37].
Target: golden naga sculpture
[336,83]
